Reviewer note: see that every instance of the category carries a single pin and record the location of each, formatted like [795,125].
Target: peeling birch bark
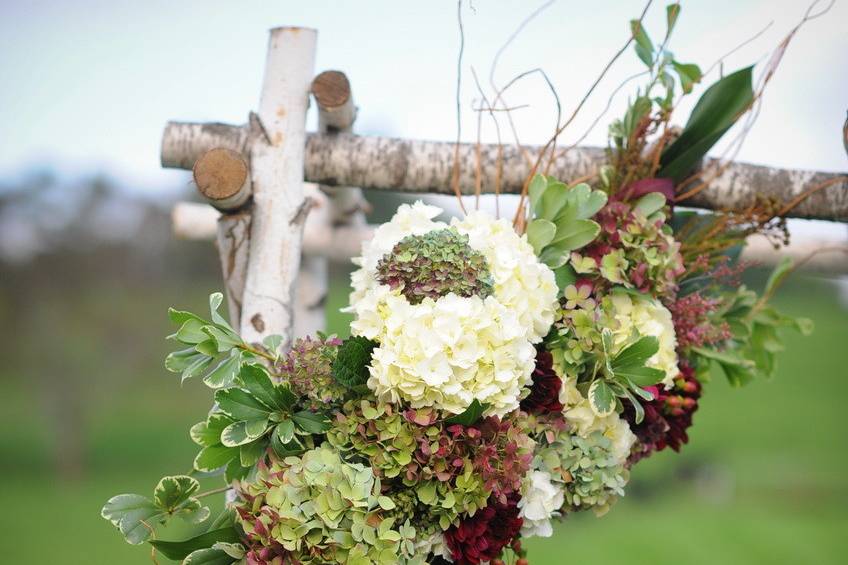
[233,241]
[276,164]
[425,166]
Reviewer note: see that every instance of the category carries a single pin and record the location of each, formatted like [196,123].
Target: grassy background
[763,480]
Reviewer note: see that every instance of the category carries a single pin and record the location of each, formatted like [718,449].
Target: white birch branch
[425,166]
[233,242]
[279,208]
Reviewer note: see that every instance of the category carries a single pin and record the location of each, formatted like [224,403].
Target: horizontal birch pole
[414,166]
[195,221]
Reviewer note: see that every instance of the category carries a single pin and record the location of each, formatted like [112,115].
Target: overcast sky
[87,85]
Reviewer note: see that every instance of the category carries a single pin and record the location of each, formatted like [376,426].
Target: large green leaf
[241,405]
[540,232]
[214,457]
[225,372]
[716,111]
[575,234]
[208,433]
[181,549]
[173,491]
[256,380]
[637,353]
[134,515]
[602,398]
[311,422]
[243,431]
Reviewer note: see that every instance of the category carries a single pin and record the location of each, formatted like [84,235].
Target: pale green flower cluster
[447,352]
[320,509]
[647,317]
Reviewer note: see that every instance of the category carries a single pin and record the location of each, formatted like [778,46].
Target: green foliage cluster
[561,222]
[435,264]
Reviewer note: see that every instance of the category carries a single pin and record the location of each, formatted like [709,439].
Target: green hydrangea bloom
[435,264]
[320,509]
[590,474]
[452,470]
[308,370]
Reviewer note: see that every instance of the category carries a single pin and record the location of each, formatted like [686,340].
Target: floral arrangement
[500,375]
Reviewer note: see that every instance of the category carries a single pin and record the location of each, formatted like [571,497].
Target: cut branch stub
[221,176]
[332,92]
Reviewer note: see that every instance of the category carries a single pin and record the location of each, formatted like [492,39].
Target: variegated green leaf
[601,398]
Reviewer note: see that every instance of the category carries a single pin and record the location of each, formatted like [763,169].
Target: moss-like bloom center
[435,264]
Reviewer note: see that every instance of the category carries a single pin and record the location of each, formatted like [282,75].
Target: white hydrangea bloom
[541,500]
[649,317]
[578,412]
[522,283]
[448,352]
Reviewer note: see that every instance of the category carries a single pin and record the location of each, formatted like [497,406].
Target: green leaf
[240,404]
[285,431]
[225,372]
[553,200]
[179,361]
[689,73]
[250,453]
[590,206]
[575,234]
[650,203]
[565,276]
[639,375]
[601,398]
[637,353]
[255,379]
[214,457]
[385,503]
[191,332]
[224,340]
[554,257]
[209,557]
[638,410]
[284,448]
[196,368]
[718,109]
[215,300]
[350,368]
[723,357]
[181,549]
[535,191]
[173,491]
[471,414]
[672,11]
[311,422]
[208,433]
[272,344]
[644,47]
[243,431]
[540,233]
[783,268]
[234,470]
[134,515]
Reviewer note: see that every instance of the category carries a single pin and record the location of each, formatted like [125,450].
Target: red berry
[522,561]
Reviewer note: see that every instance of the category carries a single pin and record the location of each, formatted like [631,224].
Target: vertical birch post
[276,168]
[336,113]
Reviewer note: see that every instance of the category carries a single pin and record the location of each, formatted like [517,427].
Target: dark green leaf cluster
[350,367]
[249,418]
[435,264]
[562,222]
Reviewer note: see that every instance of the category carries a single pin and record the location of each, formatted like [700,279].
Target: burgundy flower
[544,393]
[482,537]
[667,417]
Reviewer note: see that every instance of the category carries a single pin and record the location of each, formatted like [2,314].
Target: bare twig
[455,176]
[561,128]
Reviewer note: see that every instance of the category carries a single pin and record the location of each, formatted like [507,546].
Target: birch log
[276,164]
[232,240]
[343,208]
[221,176]
[425,166]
